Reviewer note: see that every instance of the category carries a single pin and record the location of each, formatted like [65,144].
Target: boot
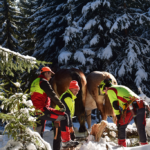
[66,140]
[72,135]
[143,143]
[70,144]
[122,142]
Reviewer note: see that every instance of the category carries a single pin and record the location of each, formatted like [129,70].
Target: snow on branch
[121,71]
[131,54]
[131,57]
[140,75]
[11,60]
[88,51]
[122,21]
[59,7]
[7,53]
[89,24]
[70,33]
[14,39]
[90,60]
[107,51]
[47,43]
[141,18]
[95,40]
[64,56]
[79,56]
[108,23]
[86,8]
[19,121]
[94,5]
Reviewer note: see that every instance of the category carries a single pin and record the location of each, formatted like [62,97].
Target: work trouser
[52,115]
[57,141]
[123,124]
[140,122]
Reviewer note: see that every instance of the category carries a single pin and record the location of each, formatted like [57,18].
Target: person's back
[38,95]
[122,93]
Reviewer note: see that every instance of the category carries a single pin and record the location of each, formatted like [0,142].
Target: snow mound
[103,145]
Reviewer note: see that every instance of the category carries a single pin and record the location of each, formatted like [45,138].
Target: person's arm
[44,84]
[115,104]
[67,103]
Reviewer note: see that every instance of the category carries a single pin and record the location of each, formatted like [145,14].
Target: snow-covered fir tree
[71,51]
[27,41]
[19,119]
[116,35]
[51,18]
[13,61]
[93,20]
[16,66]
[9,25]
[131,65]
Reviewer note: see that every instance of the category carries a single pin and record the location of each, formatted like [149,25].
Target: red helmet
[44,69]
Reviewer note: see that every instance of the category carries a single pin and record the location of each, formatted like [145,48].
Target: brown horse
[60,84]
[94,100]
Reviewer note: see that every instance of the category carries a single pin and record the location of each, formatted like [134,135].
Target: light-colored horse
[94,100]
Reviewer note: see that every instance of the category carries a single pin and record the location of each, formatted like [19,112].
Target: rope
[88,115]
[111,118]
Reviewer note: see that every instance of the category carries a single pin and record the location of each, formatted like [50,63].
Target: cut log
[97,130]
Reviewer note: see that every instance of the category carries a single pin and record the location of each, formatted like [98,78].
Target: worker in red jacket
[41,96]
[119,97]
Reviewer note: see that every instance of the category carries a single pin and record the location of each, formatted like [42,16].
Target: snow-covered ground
[103,144]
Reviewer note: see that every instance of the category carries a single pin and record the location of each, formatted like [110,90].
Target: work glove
[62,109]
[71,129]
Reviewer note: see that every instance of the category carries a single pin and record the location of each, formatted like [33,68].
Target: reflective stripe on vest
[35,86]
[120,98]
